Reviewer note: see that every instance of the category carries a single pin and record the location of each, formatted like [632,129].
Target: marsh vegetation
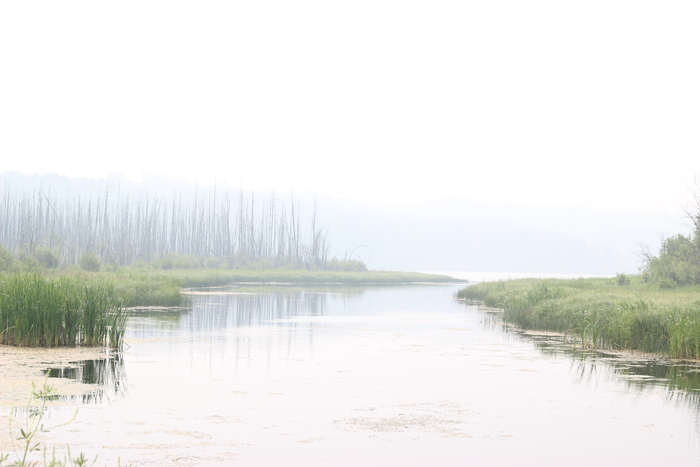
[409,369]
[605,313]
[657,311]
[38,311]
[68,264]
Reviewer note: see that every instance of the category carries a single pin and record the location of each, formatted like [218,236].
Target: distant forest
[204,228]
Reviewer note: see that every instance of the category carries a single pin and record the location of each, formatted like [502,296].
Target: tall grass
[36,311]
[601,313]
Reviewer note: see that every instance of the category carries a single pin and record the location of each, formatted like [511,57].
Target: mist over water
[433,234]
[401,375]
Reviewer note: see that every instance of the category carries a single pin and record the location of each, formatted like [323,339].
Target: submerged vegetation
[38,311]
[605,313]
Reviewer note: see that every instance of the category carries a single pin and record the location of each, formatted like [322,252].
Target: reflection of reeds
[600,313]
[210,312]
[681,379]
[107,373]
[36,311]
[232,310]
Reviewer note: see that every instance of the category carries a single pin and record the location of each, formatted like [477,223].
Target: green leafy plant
[622,279]
[7,260]
[89,262]
[47,257]
[35,411]
[30,449]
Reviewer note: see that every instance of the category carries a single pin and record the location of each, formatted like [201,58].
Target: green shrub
[678,262]
[90,262]
[7,260]
[622,279]
[47,257]
[26,262]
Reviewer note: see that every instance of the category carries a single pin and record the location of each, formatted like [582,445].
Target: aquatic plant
[601,313]
[35,411]
[37,311]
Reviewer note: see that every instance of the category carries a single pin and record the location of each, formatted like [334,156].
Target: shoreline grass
[156,287]
[69,308]
[601,313]
[40,311]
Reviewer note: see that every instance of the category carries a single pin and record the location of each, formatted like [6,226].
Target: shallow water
[401,375]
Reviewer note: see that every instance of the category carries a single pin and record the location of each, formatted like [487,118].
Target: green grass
[204,278]
[39,311]
[601,313]
[157,287]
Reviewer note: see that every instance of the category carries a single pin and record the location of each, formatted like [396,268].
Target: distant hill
[437,235]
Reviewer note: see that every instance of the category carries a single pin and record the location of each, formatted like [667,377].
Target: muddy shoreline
[23,368]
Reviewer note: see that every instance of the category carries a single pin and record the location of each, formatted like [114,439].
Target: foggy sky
[534,103]
[541,104]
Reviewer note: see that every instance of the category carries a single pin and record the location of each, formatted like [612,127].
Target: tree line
[678,260]
[203,228]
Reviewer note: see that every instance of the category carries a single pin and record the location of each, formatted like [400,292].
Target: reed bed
[37,311]
[601,313]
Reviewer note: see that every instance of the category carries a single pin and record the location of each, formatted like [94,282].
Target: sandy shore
[20,368]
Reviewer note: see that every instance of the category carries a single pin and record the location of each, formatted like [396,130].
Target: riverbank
[621,313]
[412,372]
[163,287]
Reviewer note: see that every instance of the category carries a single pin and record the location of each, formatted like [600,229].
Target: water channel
[358,375]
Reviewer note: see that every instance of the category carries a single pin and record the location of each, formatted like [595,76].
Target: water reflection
[108,374]
[220,308]
[243,309]
[400,375]
[680,379]
[226,328]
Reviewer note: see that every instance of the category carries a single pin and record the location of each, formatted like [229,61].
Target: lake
[359,375]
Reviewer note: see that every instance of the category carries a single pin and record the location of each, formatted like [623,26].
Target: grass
[204,278]
[601,313]
[39,311]
[157,287]
[72,308]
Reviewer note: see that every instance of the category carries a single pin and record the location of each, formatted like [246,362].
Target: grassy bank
[75,308]
[158,287]
[613,313]
[38,311]
[204,278]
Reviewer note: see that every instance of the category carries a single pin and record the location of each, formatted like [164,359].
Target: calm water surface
[399,375]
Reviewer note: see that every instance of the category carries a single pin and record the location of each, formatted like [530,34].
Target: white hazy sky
[537,103]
